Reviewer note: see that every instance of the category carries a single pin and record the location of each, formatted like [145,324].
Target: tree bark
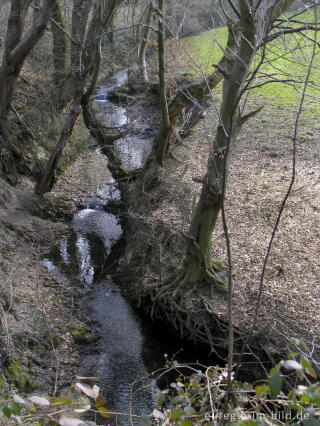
[144,44]
[191,93]
[59,52]
[100,22]
[48,178]
[210,202]
[80,13]
[16,50]
[165,119]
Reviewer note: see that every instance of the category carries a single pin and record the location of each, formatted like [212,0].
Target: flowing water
[128,346]
[134,148]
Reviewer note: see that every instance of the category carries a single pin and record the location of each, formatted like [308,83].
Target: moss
[81,333]
[3,386]
[63,329]
[19,375]
[56,340]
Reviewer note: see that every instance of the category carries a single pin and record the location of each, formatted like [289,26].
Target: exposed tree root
[195,325]
[182,286]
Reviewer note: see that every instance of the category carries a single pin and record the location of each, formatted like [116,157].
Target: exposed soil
[38,312]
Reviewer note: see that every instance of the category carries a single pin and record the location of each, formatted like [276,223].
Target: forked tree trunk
[197,257]
[101,20]
[197,260]
[194,92]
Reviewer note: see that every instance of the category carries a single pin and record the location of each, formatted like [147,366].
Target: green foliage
[201,398]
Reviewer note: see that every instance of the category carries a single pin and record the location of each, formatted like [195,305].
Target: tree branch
[18,54]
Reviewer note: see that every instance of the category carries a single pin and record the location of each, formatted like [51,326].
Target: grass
[286,58]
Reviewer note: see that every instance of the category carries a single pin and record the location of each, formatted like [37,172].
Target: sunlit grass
[286,58]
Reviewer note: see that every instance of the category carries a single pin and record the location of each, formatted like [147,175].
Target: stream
[128,345]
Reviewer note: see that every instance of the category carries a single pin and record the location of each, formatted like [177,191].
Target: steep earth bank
[156,225]
[43,322]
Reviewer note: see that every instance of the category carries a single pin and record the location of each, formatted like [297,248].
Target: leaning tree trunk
[100,22]
[191,94]
[48,179]
[198,264]
[210,202]
[16,50]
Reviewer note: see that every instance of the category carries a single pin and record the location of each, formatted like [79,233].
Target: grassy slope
[286,58]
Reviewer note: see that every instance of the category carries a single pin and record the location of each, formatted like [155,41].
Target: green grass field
[287,58]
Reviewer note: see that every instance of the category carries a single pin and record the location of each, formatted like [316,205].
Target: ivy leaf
[6,412]
[305,363]
[14,408]
[261,390]
[160,400]
[176,415]
[275,369]
[81,404]
[304,399]
[275,383]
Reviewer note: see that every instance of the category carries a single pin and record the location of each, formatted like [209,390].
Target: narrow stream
[128,347]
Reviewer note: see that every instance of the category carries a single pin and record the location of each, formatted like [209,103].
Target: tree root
[212,277]
[182,286]
[190,324]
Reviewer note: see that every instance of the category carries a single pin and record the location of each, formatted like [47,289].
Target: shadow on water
[129,345]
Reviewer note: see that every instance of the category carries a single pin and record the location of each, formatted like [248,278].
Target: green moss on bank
[19,375]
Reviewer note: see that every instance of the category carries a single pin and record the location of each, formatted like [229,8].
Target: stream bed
[127,345]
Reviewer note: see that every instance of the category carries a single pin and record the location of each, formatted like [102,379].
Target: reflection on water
[135,148]
[117,360]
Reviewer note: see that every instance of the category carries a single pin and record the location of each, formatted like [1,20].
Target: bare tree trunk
[48,178]
[101,20]
[144,44]
[192,93]
[15,53]
[80,13]
[59,52]
[165,128]
[198,259]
